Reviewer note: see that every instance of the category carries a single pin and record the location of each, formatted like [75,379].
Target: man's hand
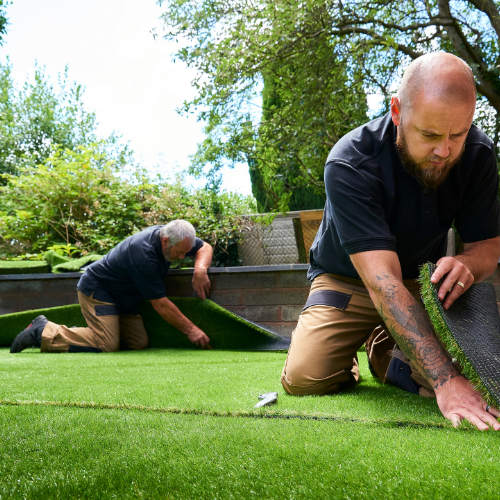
[201,283]
[458,400]
[478,261]
[198,337]
[171,314]
[456,272]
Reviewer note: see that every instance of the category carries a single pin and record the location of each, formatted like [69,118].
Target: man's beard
[430,177]
[167,256]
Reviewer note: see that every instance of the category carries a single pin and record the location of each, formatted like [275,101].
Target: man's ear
[395,110]
[164,242]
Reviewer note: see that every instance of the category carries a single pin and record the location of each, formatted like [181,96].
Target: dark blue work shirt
[130,273]
[374,204]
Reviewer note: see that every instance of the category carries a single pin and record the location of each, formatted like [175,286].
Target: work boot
[31,336]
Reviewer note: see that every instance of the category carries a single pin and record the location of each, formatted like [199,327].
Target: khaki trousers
[106,328]
[322,358]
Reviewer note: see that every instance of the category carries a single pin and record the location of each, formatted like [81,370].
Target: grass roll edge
[8,267]
[434,309]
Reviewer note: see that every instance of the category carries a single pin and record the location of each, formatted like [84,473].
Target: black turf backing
[474,323]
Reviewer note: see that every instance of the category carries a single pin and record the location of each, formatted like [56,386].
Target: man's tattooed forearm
[411,329]
[388,288]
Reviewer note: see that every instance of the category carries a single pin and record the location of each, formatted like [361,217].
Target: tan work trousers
[322,358]
[106,328]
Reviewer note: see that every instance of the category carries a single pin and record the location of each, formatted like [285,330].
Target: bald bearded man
[394,188]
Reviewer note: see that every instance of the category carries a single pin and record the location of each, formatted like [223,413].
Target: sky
[131,80]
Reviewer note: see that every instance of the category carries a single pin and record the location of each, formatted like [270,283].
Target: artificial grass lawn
[211,382]
[23,266]
[164,424]
[76,453]
[225,329]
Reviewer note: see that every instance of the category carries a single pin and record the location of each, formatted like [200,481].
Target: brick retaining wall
[269,295]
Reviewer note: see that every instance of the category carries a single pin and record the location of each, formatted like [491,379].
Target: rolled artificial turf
[74,265]
[52,263]
[470,331]
[64,264]
[225,329]
[23,266]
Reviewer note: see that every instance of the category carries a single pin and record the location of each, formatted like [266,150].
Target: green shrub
[81,200]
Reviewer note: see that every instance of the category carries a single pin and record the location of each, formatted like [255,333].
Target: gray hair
[177,230]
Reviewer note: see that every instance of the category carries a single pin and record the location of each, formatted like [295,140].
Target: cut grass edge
[435,311]
[262,414]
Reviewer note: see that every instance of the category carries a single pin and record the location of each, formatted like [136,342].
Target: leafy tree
[3,19]
[381,37]
[321,56]
[40,117]
[311,96]
[301,197]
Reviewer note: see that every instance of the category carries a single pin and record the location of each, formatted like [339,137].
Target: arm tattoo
[411,329]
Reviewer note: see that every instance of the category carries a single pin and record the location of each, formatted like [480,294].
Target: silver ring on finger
[461,284]
[487,408]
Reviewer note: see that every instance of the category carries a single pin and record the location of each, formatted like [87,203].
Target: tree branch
[490,9]
[471,56]
[378,40]
[435,21]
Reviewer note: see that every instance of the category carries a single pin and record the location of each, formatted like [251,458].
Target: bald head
[437,75]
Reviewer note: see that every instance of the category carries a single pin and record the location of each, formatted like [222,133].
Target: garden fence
[286,240]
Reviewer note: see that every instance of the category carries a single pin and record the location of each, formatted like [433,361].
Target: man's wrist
[200,270]
[443,383]
[463,259]
[188,328]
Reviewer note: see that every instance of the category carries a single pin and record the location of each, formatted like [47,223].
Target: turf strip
[214,382]
[225,329]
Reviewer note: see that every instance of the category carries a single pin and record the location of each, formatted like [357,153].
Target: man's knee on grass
[296,383]
[110,345]
[138,344]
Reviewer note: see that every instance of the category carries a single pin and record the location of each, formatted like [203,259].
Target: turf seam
[225,414]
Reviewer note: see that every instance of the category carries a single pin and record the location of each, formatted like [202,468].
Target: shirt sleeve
[478,218]
[197,245]
[356,199]
[148,280]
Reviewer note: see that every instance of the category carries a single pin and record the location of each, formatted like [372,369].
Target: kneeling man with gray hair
[112,288]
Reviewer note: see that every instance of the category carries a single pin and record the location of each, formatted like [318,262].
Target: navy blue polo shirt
[374,204]
[130,273]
